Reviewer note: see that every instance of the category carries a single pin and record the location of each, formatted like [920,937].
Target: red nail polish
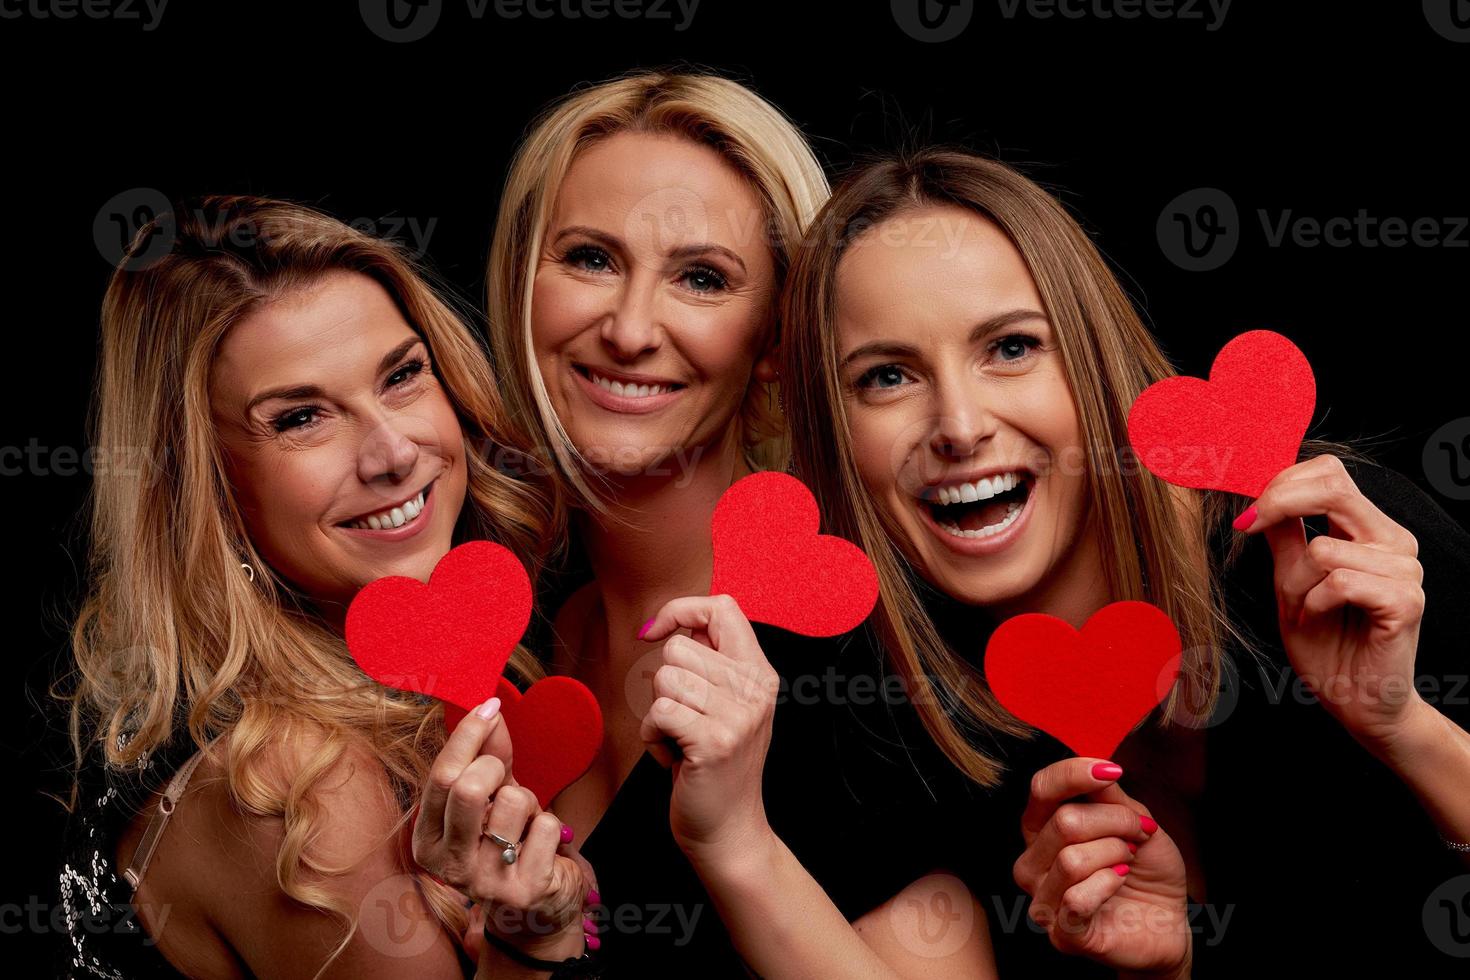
[1246,519]
[567,833]
[1106,770]
[646,626]
[593,897]
[1121,869]
[1132,847]
[1148,824]
[589,927]
[593,943]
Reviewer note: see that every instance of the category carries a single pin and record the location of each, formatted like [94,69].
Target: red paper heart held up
[451,638]
[1086,688]
[1235,431]
[555,732]
[770,557]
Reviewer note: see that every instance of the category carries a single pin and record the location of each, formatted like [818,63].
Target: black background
[1318,109]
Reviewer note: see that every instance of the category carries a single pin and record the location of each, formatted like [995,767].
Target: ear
[765,370]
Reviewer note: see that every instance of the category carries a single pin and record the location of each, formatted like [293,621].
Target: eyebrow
[682,252]
[892,348]
[296,392]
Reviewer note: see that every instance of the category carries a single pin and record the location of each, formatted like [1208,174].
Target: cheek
[877,443]
[559,311]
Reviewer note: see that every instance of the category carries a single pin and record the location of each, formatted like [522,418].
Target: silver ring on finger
[509,850]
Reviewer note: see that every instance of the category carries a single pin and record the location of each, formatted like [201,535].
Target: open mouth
[980,508]
[627,386]
[393,517]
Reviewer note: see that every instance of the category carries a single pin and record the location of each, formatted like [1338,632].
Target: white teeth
[982,489]
[1012,510]
[627,390]
[394,517]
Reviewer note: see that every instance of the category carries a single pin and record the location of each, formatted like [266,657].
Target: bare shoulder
[221,862]
[934,926]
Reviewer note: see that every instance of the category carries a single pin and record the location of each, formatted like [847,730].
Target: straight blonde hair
[172,638]
[747,131]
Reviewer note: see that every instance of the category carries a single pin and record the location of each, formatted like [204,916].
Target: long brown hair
[1154,538]
[172,638]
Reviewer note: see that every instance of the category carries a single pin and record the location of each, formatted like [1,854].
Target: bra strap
[159,820]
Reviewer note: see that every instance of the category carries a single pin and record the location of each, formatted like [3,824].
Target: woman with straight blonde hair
[972,361]
[643,237]
[313,413]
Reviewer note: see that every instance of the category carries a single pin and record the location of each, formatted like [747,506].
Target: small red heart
[1235,431]
[451,638]
[555,732]
[1087,688]
[770,558]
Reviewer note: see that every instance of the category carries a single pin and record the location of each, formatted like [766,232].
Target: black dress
[1317,860]
[103,936]
[862,803]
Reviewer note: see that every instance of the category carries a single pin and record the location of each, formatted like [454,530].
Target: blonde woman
[972,361]
[642,242]
[313,413]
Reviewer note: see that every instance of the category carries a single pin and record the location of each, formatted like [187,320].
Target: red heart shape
[1087,688]
[1238,429]
[555,732]
[770,558]
[451,638]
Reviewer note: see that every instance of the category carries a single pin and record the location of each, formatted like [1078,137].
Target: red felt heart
[770,558]
[1235,431]
[450,638]
[1086,688]
[555,732]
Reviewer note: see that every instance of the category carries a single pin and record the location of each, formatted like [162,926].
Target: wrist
[737,857]
[525,935]
[1410,739]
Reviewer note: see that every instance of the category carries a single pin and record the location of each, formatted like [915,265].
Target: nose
[964,423]
[388,453]
[631,328]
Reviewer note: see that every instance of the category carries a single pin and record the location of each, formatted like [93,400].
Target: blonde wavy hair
[748,133]
[172,637]
[1155,539]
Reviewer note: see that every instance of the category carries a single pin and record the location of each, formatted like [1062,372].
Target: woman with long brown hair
[314,413]
[972,361]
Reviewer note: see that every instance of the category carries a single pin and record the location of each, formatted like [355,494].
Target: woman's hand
[1350,601]
[1105,882]
[714,698]
[535,903]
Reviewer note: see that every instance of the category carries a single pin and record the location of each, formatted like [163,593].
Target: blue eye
[589,258]
[1015,347]
[882,376]
[703,279]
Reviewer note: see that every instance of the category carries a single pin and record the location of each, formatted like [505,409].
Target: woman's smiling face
[332,421]
[961,417]
[653,298]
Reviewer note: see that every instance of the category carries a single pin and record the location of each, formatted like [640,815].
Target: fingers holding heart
[1082,877]
[1076,823]
[1323,486]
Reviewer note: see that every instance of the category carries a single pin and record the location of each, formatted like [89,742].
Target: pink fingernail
[489,709]
[593,943]
[1106,770]
[567,833]
[593,898]
[1132,847]
[646,627]
[1121,869]
[1148,824]
[590,927]
[1246,519]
